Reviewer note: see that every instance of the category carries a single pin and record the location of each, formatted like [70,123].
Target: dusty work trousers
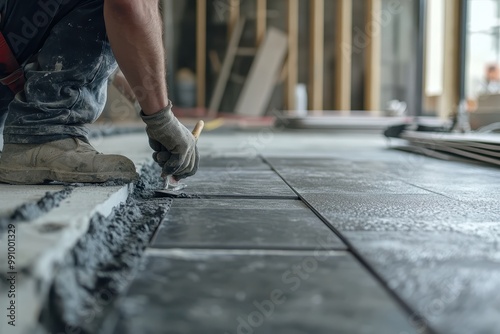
[67,58]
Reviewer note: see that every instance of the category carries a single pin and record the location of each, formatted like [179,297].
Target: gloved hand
[174,145]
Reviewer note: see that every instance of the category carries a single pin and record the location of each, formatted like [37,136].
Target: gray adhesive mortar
[105,260]
[30,211]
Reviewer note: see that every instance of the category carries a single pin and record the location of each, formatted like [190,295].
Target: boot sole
[42,175]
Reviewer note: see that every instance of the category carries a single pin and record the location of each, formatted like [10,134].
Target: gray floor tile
[401,212]
[451,279]
[438,251]
[238,183]
[306,164]
[219,292]
[348,183]
[461,181]
[243,224]
[338,176]
[344,166]
[466,190]
[233,163]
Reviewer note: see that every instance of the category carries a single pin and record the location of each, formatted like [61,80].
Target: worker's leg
[25,27]
[66,85]
[65,89]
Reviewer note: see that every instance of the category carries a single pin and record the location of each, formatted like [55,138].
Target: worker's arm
[134,30]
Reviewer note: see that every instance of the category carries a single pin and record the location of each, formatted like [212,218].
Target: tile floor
[348,238]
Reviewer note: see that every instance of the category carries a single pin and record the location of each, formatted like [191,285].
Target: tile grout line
[229,197]
[351,249]
[195,247]
[155,233]
[416,186]
[263,252]
[431,191]
[338,234]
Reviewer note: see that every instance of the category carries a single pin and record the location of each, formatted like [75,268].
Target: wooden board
[464,145]
[427,152]
[227,65]
[267,65]
[373,58]
[473,149]
[343,56]
[261,22]
[451,66]
[201,52]
[317,56]
[459,152]
[234,16]
[293,53]
[493,139]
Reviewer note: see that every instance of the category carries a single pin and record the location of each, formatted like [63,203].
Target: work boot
[69,160]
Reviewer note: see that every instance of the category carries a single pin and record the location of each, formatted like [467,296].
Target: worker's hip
[27,26]
[65,81]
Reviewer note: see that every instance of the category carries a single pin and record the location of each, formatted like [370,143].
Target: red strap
[15,80]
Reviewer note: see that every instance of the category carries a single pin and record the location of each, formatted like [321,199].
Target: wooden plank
[456,144]
[169,36]
[343,56]
[227,65]
[293,53]
[215,61]
[267,65]
[246,52]
[373,56]
[451,64]
[201,51]
[234,16]
[261,21]
[316,58]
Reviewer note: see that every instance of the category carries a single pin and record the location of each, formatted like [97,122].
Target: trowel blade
[178,187]
[171,184]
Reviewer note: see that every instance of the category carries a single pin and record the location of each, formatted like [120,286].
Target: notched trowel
[172,186]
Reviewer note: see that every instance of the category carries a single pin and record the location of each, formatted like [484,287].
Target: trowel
[171,185]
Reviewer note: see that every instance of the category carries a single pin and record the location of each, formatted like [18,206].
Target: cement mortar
[104,261]
[30,211]
[111,183]
[149,182]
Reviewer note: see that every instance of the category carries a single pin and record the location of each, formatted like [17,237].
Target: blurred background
[324,58]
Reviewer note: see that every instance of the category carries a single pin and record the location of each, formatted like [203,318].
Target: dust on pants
[67,58]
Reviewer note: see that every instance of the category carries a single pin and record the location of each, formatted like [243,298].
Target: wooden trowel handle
[198,129]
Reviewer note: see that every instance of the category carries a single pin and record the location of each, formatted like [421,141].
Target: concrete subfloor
[339,235]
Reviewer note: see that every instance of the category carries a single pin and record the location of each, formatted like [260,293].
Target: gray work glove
[174,145]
